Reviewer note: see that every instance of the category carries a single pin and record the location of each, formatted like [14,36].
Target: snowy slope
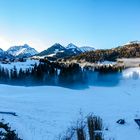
[133,42]
[86,49]
[20,65]
[4,54]
[73,48]
[77,50]
[45,112]
[1,53]
[53,50]
[22,51]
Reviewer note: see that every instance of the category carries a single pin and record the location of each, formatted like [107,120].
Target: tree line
[51,73]
[46,72]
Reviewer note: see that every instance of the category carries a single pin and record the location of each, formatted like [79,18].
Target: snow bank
[132,73]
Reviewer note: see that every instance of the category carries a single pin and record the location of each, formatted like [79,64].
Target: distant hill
[129,50]
[54,52]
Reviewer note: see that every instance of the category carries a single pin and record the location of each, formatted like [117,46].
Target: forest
[126,51]
[52,73]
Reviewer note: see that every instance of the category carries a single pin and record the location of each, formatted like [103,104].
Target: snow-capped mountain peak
[73,48]
[53,50]
[4,54]
[57,46]
[76,49]
[22,51]
[59,51]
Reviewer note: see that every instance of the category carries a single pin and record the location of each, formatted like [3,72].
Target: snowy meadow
[45,112]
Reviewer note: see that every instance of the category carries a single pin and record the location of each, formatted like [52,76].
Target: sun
[4,43]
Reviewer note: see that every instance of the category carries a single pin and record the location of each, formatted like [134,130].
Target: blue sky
[96,23]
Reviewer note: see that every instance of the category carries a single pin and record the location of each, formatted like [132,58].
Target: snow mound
[131,73]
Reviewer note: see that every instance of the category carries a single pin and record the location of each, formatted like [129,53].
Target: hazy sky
[96,23]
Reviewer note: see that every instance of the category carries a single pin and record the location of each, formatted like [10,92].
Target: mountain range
[58,51]
[55,51]
[18,52]
[71,51]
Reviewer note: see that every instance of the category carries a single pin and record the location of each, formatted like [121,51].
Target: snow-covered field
[23,65]
[129,62]
[46,111]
